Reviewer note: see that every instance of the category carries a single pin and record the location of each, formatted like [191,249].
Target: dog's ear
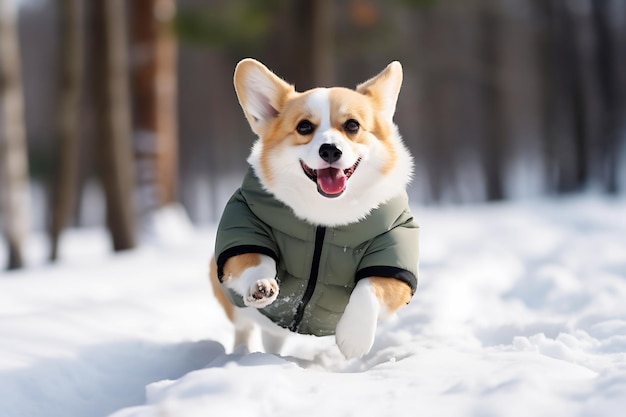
[384,89]
[261,93]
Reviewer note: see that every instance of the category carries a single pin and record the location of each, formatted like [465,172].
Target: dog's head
[331,154]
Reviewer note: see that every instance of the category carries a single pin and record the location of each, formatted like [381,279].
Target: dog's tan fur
[228,307]
[235,265]
[391,293]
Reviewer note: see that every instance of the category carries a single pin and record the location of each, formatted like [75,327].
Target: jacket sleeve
[239,232]
[393,254]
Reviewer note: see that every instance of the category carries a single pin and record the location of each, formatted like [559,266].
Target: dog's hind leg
[244,326]
[245,330]
[250,324]
[221,298]
[272,342]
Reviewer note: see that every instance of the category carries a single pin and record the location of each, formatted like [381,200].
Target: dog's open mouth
[331,182]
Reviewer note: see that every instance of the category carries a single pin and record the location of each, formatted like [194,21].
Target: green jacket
[317,266]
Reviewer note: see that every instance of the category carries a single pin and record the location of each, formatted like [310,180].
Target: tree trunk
[311,46]
[493,151]
[611,72]
[440,123]
[564,145]
[113,120]
[154,99]
[14,202]
[65,190]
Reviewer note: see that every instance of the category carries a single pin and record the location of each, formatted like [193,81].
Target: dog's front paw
[262,293]
[355,336]
[357,327]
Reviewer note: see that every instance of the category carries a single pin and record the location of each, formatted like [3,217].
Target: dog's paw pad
[262,293]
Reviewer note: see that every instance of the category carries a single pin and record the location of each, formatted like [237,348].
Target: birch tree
[14,204]
[154,91]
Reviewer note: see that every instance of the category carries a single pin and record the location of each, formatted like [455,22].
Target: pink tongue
[331,180]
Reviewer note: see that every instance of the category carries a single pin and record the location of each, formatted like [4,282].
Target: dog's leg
[252,276]
[244,330]
[372,298]
[244,274]
[272,342]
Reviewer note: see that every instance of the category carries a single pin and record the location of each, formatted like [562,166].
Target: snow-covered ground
[520,311]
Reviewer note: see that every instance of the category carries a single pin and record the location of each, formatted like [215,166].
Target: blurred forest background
[113,111]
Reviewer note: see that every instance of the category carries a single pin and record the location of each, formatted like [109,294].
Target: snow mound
[519,312]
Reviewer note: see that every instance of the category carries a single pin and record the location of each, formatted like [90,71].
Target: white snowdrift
[520,311]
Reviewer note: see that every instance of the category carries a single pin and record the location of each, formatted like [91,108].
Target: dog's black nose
[330,153]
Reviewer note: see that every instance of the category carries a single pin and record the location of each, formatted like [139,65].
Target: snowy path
[520,311]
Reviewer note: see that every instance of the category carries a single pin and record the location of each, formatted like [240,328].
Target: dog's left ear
[261,93]
[384,89]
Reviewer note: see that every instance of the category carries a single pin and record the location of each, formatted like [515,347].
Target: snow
[519,312]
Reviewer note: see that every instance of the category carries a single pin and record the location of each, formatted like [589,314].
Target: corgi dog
[319,239]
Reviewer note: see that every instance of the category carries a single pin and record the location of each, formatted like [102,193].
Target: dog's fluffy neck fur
[364,194]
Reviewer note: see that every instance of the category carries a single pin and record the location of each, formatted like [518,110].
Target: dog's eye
[351,126]
[305,128]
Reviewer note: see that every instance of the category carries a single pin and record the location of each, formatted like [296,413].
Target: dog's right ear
[261,93]
[384,89]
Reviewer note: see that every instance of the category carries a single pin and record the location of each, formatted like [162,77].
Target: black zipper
[320,232]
